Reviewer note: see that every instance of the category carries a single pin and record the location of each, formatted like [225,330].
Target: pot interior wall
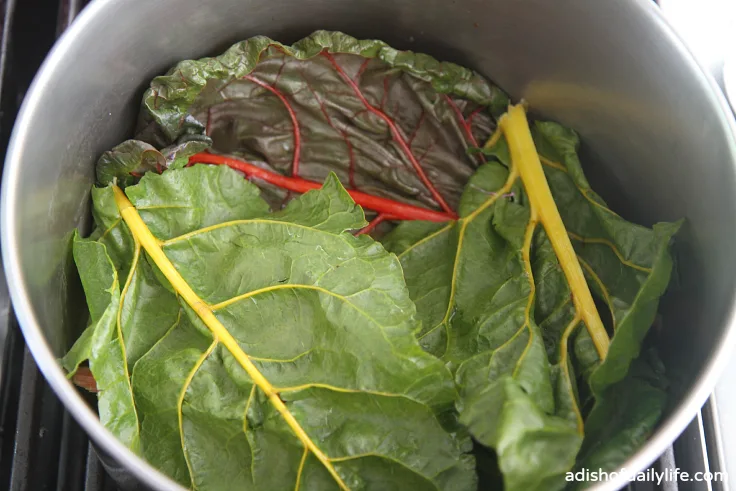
[654,145]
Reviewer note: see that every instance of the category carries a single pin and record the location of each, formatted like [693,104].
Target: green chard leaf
[101,342]
[324,317]
[625,414]
[627,266]
[471,283]
[518,348]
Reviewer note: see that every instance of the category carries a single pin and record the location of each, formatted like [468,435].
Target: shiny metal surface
[658,139]
[729,79]
[708,27]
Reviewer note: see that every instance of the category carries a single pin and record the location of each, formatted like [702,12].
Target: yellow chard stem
[220,333]
[526,162]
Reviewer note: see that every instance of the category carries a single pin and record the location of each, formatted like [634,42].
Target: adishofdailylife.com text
[650,475]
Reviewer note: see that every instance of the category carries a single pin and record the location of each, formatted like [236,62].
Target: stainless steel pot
[658,138]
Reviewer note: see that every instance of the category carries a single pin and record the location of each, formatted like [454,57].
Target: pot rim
[665,434]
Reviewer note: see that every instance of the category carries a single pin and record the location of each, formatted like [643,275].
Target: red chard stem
[401,211]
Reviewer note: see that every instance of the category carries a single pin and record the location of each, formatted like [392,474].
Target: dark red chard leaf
[390,123]
[177,155]
[129,160]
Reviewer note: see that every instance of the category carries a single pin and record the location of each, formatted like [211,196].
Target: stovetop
[42,447]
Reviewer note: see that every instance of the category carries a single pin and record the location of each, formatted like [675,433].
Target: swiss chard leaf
[177,155]
[469,281]
[628,266]
[376,116]
[102,342]
[476,301]
[324,317]
[625,415]
[128,161]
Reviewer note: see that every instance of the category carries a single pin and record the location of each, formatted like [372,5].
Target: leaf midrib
[234,223]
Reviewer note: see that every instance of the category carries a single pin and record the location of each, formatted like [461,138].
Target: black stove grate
[42,448]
